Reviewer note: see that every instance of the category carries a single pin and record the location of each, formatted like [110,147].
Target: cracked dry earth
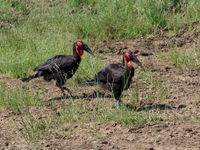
[180,128]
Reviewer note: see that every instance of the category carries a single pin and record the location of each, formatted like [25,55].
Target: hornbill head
[129,57]
[80,47]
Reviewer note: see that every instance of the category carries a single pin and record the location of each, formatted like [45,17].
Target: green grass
[89,66]
[198,97]
[152,88]
[78,113]
[189,59]
[16,99]
[196,118]
[34,129]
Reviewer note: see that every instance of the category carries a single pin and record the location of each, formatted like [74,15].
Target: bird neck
[77,53]
[129,71]
[127,63]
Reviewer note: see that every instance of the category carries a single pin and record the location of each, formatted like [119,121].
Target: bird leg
[59,83]
[68,90]
[63,91]
[119,103]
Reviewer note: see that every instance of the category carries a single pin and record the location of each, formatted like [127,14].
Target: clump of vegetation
[189,58]
[16,99]
[34,129]
[124,19]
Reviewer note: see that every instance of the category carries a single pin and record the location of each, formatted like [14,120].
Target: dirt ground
[183,85]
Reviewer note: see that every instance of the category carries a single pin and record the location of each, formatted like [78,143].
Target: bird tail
[89,82]
[27,79]
[92,82]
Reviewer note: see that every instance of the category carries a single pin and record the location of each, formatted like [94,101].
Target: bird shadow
[151,107]
[95,94]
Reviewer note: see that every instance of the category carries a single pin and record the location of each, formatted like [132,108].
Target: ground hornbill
[117,77]
[61,67]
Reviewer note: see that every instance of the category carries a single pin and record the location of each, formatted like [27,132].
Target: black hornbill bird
[117,77]
[61,67]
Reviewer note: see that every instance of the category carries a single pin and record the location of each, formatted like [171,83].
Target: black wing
[112,73]
[59,62]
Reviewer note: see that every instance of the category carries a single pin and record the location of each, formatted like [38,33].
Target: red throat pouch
[79,52]
[129,64]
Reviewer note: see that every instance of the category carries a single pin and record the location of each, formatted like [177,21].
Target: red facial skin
[128,60]
[79,49]
[80,44]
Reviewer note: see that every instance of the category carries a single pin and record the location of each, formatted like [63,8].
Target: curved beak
[87,49]
[136,60]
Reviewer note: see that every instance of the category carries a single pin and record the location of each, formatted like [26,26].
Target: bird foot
[118,106]
[64,96]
